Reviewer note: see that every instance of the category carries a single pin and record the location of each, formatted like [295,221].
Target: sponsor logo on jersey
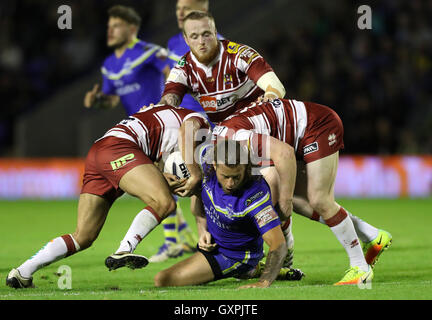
[218,130]
[211,103]
[182,62]
[265,216]
[128,89]
[208,103]
[276,103]
[232,47]
[253,198]
[120,162]
[310,148]
[332,139]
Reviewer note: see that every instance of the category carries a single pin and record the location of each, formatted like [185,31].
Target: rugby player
[222,75]
[136,71]
[135,74]
[123,161]
[234,215]
[175,226]
[314,134]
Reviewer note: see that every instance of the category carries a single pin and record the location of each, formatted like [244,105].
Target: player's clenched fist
[92,95]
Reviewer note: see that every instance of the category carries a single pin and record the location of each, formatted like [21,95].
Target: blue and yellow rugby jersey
[238,221]
[136,77]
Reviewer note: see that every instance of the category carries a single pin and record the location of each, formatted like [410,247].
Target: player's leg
[368,234]
[191,271]
[321,175]
[145,182]
[92,212]
[171,248]
[301,205]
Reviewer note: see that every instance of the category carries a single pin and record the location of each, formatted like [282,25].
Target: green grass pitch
[403,272]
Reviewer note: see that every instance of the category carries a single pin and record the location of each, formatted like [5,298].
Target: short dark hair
[231,153]
[127,14]
[198,15]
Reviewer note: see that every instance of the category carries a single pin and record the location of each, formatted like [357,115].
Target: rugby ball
[175,165]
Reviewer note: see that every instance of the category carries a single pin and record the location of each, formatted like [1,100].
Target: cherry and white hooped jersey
[284,119]
[156,129]
[225,85]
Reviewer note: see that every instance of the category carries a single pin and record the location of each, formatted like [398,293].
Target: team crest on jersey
[120,162]
[232,47]
[228,79]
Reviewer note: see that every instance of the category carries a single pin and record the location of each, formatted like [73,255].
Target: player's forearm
[272,86]
[285,163]
[187,145]
[170,99]
[201,225]
[274,261]
[197,210]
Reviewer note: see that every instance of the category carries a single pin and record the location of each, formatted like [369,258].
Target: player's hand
[91,96]
[173,181]
[189,188]
[259,284]
[143,108]
[205,242]
[268,97]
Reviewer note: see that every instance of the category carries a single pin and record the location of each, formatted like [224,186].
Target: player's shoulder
[256,194]
[109,60]
[143,47]
[234,48]
[185,61]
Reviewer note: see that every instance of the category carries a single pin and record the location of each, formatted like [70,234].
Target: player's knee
[320,204]
[165,207]
[162,279]
[84,240]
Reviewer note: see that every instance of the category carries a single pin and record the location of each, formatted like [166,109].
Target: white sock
[287,231]
[364,230]
[54,250]
[144,222]
[343,228]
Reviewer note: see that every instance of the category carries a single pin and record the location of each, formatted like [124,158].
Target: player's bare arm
[275,257]
[187,145]
[171,99]
[283,157]
[96,99]
[205,238]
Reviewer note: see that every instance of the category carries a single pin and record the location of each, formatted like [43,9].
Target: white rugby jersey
[156,129]
[284,119]
[227,84]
